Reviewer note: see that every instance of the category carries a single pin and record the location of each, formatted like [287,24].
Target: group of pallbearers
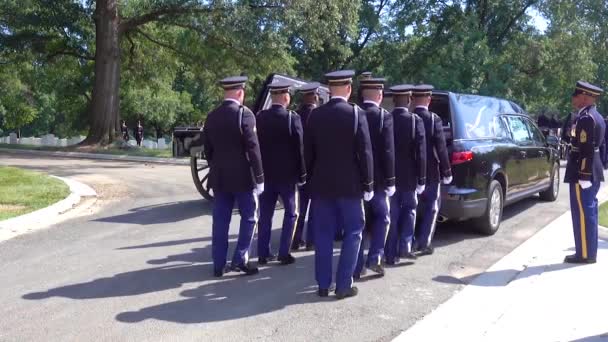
[359,170]
[138,131]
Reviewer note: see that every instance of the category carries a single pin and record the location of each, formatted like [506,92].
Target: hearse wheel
[489,223]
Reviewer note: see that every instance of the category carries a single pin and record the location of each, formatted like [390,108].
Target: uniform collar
[340,98]
[423,107]
[278,105]
[584,108]
[372,103]
[403,108]
[232,100]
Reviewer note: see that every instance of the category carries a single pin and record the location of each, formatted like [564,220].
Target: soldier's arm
[364,153]
[420,141]
[298,137]
[389,150]
[207,146]
[252,146]
[585,128]
[309,148]
[441,148]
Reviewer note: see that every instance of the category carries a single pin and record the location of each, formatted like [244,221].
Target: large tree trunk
[104,108]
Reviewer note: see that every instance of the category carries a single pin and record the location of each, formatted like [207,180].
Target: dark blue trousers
[403,220]
[584,207]
[329,215]
[377,215]
[222,214]
[268,201]
[430,198]
[304,209]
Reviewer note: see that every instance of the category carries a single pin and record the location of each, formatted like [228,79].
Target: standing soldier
[377,210]
[310,101]
[339,157]
[139,133]
[281,144]
[437,168]
[410,172]
[236,174]
[584,172]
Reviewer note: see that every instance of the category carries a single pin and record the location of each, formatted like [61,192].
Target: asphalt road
[139,268]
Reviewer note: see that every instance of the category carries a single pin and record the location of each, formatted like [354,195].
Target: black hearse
[498,156]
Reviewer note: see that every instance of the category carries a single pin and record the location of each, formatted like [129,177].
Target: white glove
[301,184]
[259,188]
[447,180]
[367,196]
[584,184]
[420,189]
[390,191]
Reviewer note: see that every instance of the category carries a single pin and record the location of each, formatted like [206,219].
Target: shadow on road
[173,243]
[162,213]
[502,277]
[597,338]
[275,288]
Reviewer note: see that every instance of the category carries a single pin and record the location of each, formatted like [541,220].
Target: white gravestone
[13,138]
[162,144]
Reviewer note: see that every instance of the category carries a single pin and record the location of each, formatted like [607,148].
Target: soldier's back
[332,129]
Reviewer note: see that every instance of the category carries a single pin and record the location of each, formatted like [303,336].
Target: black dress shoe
[247,269]
[353,291]
[323,292]
[266,260]
[574,259]
[426,251]
[310,247]
[297,245]
[378,269]
[218,273]
[409,255]
[287,260]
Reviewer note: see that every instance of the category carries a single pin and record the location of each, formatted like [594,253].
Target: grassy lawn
[23,191]
[141,152]
[604,215]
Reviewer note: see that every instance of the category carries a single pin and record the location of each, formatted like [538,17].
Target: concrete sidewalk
[530,295]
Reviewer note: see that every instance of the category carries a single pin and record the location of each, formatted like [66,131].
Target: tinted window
[519,130]
[535,132]
[476,116]
[498,128]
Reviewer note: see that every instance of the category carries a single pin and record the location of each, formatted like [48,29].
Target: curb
[48,216]
[99,156]
[491,293]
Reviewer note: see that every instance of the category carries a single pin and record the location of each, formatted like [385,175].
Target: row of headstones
[51,140]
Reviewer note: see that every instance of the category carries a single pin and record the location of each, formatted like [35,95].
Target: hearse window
[476,116]
[519,130]
[498,128]
[536,134]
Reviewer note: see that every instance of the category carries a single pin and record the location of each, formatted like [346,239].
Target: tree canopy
[80,66]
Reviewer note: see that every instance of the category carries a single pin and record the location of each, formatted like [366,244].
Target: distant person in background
[139,133]
[125,131]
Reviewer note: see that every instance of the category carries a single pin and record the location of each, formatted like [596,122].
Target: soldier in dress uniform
[339,157]
[310,101]
[125,131]
[584,172]
[139,133]
[437,168]
[236,174]
[377,210]
[281,143]
[410,172]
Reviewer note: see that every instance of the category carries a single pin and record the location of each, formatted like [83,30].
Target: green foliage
[173,52]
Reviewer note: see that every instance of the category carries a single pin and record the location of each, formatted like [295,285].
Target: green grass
[604,215]
[24,191]
[140,152]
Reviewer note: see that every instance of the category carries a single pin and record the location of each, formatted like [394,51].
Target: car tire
[550,195]
[489,223]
